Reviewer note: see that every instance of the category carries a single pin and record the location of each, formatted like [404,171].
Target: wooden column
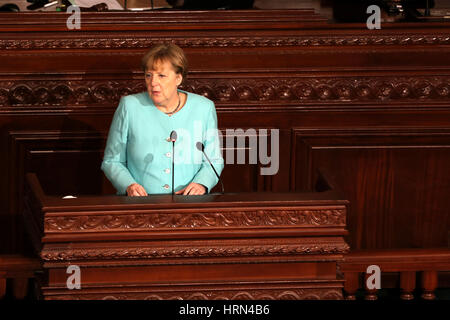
[429,284]
[20,287]
[2,284]
[351,285]
[407,284]
[371,294]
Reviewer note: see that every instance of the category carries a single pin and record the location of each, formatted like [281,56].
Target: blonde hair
[166,52]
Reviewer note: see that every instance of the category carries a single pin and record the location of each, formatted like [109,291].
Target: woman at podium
[154,135]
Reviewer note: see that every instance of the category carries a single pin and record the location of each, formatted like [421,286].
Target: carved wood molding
[263,294]
[325,89]
[192,252]
[45,93]
[164,220]
[220,42]
[355,90]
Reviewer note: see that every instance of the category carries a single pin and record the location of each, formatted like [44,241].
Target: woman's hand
[192,189]
[136,190]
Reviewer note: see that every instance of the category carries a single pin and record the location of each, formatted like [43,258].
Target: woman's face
[162,81]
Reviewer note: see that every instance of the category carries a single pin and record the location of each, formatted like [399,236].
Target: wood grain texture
[374,167]
[370,107]
[230,294]
[219,241]
[405,263]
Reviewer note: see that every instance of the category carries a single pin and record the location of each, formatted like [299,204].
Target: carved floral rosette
[65,93]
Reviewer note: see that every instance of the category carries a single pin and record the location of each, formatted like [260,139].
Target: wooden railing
[407,262]
[19,269]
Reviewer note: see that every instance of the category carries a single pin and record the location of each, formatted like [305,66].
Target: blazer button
[168,154]
[167,170]
[166,186]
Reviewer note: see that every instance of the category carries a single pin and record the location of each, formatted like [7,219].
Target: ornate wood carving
[297,76]
[62,92]
[224,42]
[192,252]
[258,239]
[157,220]
[266,294]
[326,90]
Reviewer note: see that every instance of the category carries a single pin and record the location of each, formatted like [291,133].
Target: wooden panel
[68,163]
[252,243]
[396,181]
[281,69]
[208,273]
[293,90]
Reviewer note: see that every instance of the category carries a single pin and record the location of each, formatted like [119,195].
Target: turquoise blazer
[137,149]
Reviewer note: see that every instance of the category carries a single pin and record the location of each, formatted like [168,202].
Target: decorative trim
[66,92]
[192,252]
[221,42]
[263,294]
[163,220]
[325,90]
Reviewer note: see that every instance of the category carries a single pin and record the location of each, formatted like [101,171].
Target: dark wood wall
[369,107]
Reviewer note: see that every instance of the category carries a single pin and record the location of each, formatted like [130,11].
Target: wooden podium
[217,246]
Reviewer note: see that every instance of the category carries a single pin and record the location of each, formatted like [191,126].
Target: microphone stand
[173,166]
[201,147]
[173,138]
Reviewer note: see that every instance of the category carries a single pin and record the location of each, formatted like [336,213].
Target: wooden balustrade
[407,262]
[19,269]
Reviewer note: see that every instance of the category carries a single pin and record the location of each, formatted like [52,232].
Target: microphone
[200,146]
[173,138]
